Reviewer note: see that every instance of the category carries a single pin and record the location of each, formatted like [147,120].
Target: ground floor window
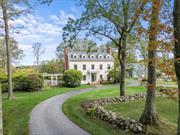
[84,77]
[75,66]
[101,77]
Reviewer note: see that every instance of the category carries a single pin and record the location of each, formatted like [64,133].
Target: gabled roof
[79,56]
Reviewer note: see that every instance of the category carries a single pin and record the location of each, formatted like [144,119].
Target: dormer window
[107,56]
[92,56]
[83,56]
[74,56]
[100,56]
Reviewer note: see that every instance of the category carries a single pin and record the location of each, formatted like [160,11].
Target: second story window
[75,66]
[109,66]
[84,67]
[100,66]
[92,66]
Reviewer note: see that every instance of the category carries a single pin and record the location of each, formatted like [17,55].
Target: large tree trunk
[123,66]
[177,51]
[149,116]
[5,18]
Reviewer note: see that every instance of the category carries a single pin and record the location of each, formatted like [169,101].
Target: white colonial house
[94,66]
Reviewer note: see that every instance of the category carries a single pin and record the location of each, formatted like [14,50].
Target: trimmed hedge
[23,82]
[72,78]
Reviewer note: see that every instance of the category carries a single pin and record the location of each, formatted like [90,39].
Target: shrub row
[96,110]
[23,81]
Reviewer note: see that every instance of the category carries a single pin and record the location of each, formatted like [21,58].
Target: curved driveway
[47,117]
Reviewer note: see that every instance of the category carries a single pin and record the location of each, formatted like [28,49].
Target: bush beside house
[114,75]
[72,78]
[23,81]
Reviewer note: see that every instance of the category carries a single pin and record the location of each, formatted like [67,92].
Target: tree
[8,54]
[52,66]
[113,20]
[37,51]
[16,53]
[149,115]
[84,45]
[176,15]
[9,12]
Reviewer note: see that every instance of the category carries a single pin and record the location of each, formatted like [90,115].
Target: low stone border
[96,110]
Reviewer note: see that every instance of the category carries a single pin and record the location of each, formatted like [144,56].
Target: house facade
[94,66]
[136,70]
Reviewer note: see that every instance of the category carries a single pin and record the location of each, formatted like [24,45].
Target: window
[100,66]
[71,56]
[101,77]
[84,56]
[84,77]
[84,67]
[92,66]
[74,56]
[108,66]
[75,66]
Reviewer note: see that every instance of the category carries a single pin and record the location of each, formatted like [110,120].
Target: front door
[93,77]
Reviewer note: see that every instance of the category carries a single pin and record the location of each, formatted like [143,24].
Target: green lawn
[74,111]
[16,112]
[167,109]
[166,84]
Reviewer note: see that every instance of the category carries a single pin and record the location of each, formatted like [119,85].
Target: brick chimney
[66,66]
[109,51]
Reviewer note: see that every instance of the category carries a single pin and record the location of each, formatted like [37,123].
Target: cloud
[61,18]
[73,8]
[33,28]
[26,48]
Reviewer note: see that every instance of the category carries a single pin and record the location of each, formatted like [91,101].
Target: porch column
[56,80]
[52,80]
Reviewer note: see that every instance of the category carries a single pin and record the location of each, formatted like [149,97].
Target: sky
[44,25]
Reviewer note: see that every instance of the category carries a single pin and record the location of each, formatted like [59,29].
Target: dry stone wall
[96,110]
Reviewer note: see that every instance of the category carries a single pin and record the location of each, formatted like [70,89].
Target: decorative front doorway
[93,77]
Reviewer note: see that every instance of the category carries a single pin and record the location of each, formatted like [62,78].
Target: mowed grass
[16,112]
[167,110]
[72,108]
[166,84]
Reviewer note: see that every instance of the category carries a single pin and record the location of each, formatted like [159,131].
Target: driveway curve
[47,118]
